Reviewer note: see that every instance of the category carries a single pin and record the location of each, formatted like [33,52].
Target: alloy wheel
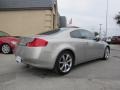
[6,49]
[65,63]
[107,53]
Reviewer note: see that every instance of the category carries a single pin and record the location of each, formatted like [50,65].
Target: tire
[6,49]
[106,53]
[64,63]
[0,49]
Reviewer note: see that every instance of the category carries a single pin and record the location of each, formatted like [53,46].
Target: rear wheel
[64,62]
[6,49]
[106,54]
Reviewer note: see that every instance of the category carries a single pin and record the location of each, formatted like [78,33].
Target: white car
[61,49]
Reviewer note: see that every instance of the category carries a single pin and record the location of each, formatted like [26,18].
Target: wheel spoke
[68,61]
[63,57]
[61,68]
[69,66]
[65,67]
[61,62]
[67,57]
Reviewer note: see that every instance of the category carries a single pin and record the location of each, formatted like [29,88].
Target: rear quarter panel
[67,44]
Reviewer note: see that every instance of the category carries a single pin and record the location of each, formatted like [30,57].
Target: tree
[117,18]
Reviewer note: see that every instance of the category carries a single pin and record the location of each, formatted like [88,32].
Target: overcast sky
[89,14]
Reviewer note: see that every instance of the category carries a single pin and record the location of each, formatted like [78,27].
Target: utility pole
[100,31]
[106,20]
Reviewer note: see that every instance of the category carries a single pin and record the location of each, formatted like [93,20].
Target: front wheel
[64,62]
[106,54]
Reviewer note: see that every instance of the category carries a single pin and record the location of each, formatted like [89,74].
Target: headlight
[13,42]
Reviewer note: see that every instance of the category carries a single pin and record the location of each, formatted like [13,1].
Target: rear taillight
[37,43]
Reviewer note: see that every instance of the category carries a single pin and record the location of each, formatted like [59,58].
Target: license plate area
[18,59]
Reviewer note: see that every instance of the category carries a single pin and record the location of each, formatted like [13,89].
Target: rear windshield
[50,32]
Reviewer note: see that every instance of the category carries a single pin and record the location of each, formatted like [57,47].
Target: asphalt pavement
[94,75]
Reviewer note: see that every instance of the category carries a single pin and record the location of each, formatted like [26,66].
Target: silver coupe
[61,49]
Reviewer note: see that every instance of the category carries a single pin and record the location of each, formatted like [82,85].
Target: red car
[7,43]
[115,40]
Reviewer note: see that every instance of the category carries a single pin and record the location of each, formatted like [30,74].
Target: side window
[87,35]
[75,34]
[90,35]
[83,34]
[3,34]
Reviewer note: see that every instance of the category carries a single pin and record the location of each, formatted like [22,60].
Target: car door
[93,48]
[79,45]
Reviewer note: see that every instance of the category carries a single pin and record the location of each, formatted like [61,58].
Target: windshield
[3,34]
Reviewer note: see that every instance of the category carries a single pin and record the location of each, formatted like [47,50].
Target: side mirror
[97,39]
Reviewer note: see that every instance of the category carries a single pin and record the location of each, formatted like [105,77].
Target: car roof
[70,29]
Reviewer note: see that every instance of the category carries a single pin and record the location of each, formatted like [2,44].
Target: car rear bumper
[35,56]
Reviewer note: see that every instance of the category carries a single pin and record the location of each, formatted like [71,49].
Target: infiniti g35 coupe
[61,49]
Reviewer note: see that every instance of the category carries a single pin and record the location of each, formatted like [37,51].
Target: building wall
[56,21]
[27,22]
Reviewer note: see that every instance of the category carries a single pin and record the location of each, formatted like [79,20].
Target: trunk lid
[25,40]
